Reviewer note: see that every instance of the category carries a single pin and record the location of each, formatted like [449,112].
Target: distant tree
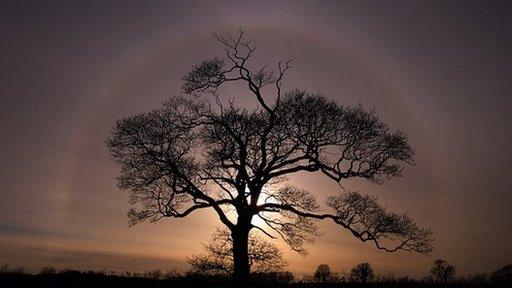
[5,269]
[202,151]
[153,274]
[362,272]
[171,274]
[264,257]
[427,279]
[272,277]
[136,274]
[322,273]
[478,278]
[406,279]
[442,271]
[387,278]
[502,275]
[47,270]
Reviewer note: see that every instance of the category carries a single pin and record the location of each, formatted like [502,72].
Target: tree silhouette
[442,271]
[201,151]
[502,275]
[264,257]
[322,273]
[362,272]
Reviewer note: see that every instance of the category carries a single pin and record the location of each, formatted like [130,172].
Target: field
[76,279]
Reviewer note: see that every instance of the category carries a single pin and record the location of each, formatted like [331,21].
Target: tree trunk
[241,269]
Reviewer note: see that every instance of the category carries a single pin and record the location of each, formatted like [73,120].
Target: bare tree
[264,257]
[442,271]
[322,273]
[362,272]
[201,151]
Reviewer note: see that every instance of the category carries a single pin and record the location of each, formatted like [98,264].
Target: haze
[438,70]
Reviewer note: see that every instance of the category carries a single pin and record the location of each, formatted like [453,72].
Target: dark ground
[89,280]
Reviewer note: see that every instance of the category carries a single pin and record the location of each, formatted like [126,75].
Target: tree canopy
[442,271]
[201,150]
[362,272]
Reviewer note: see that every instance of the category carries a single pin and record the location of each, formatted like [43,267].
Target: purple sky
[438,70]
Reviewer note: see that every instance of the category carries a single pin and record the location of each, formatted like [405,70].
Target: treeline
[362,275]
[441,274]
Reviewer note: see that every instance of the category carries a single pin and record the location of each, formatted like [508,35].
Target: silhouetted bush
[478,278]
[5,270]
[322,273]
[47,270]
[272,277]
[502,275]
[362,272]
[442,271]
[153,274]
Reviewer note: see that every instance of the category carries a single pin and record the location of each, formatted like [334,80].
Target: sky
[437,70]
